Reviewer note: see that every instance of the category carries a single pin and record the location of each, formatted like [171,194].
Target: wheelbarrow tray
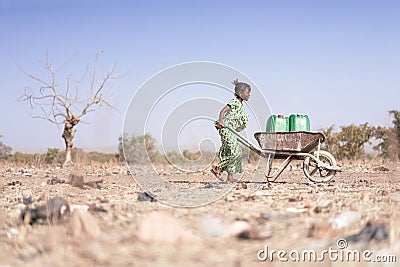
[300,141]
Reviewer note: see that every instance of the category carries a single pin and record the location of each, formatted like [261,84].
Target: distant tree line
[56,157]
[347,142]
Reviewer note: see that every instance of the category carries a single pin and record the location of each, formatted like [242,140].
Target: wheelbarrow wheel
[319,174]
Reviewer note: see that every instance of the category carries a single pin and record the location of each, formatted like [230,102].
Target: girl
[230,153]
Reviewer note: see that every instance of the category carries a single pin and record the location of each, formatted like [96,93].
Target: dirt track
[289,215]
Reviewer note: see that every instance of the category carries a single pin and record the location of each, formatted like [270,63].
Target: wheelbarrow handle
[244,141]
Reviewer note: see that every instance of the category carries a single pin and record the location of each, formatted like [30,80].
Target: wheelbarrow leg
[268,167]
[275,175]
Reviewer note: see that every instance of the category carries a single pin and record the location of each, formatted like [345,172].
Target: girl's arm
[221,116]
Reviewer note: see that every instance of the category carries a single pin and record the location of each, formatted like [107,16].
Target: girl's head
[242,90]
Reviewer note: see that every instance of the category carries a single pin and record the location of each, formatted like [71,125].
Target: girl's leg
[226,153]
[230,155]
[235,164]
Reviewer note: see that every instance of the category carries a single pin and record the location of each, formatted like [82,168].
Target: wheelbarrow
[318,165]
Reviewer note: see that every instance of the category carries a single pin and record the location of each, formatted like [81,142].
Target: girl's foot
[217,172]
[230,178]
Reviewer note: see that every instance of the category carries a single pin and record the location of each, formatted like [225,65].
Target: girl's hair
[240,87]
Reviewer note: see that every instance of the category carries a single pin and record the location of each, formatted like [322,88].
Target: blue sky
[337,61]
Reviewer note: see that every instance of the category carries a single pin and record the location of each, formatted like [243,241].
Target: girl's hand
[220,125]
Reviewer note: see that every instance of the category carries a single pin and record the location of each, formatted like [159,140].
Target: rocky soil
[109,221]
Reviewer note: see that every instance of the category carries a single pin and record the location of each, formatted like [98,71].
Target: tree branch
[97,98]
[33,77]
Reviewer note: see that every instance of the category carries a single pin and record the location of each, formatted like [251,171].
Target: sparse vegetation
[55,157]
[396,130]
[136,149]
[140,148]
[349,143]
[51,155]
[4,149]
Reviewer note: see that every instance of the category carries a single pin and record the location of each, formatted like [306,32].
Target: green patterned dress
[230,153]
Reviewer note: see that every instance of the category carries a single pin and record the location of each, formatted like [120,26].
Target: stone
[84,225]
[76,180]
[161,227]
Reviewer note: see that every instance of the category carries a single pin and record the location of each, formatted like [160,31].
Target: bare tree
[67,104]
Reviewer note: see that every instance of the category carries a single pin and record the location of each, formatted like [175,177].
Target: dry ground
[291,214]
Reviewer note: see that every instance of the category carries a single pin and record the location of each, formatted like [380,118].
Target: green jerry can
[278,123]
[299,122]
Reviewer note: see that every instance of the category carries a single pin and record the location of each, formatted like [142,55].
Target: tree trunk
[68,135]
